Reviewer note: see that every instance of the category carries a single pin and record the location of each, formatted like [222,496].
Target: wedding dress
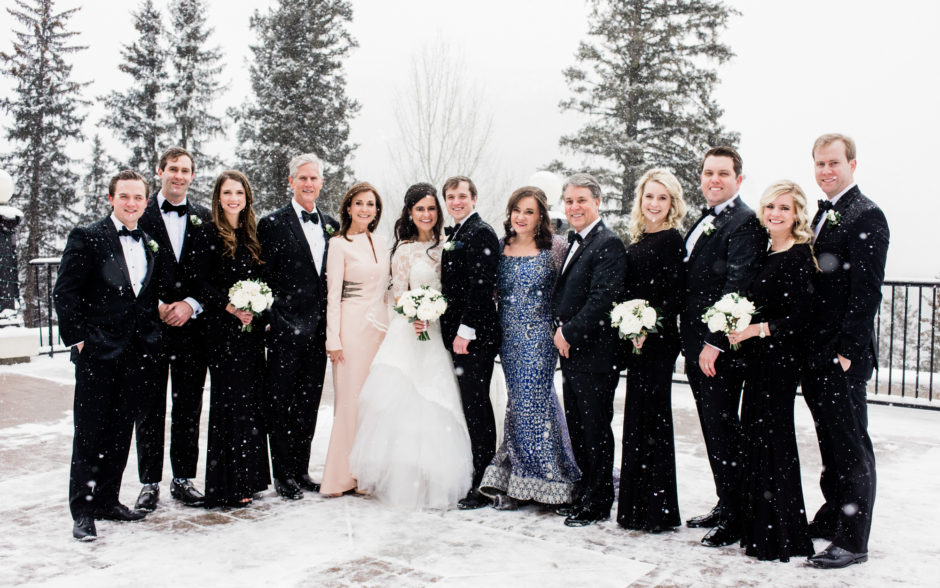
[412,448]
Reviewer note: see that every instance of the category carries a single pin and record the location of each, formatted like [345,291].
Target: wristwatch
[762,333]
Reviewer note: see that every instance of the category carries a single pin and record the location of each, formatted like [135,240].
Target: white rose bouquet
[635,319]
[253,296]
[731,313]
[422,304]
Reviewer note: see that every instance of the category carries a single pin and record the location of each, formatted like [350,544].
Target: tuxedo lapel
[117,252]
[155,220]
[584,245]
[294,223]
[720,221]
[842,208]
[151,261]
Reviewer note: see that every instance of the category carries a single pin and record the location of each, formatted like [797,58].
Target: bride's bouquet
[422,304]
[635,319]
[732,312]
[252,295]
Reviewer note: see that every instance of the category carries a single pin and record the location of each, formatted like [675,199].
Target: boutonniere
[708,226]
[451,245]
[153,245]
[329,229]
[833,218]
[195,220]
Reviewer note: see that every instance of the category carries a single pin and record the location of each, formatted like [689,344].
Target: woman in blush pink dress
[357,277]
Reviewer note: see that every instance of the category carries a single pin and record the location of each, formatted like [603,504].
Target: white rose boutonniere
[195,220]
[708,226]
[833,218]
[329,229]
[153,245]
[449,246]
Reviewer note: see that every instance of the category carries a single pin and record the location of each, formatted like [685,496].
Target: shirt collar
[719,208]
[298,208]
[161,200]
[466,218]
[118,225]
[589,228]
[842,193]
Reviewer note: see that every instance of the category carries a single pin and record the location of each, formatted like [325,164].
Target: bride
[412,448]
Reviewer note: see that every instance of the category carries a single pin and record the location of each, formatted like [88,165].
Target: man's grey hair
[304,159]
[583,180]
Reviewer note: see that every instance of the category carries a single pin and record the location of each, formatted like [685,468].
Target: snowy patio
[353,541]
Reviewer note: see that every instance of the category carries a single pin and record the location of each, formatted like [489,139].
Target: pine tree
[95,183]
[136,115]
[300,103]
[194,85]
[644,83]
[44,107]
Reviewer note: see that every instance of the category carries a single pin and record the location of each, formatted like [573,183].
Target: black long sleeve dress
[648,496]
[237,453]
[773,516]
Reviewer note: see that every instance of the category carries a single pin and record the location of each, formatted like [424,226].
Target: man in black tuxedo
[851,246]
[470,326]
[723,247]
[589,285]
[294,241]
[173,221]
[106,297]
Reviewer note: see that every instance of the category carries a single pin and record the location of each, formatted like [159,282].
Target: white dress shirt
[575,246]
[700,227]
[823,219]
[314,234]
[176,229]
[134,256]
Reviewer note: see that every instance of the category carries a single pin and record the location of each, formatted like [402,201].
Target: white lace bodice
[414,265]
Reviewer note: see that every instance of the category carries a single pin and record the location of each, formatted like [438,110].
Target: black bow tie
[825,204]
[311,217]
[572,237]
[448,231]
[136,234]
[709,210]
[181,209]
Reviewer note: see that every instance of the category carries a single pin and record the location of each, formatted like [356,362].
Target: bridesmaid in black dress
[237,455]
[648,498]
[773,515]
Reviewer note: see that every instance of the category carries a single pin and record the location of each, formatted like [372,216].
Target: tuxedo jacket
[94,299]
[468,281]
[298,314]
[720,263]
[179,276]
[585,292]
[851,255]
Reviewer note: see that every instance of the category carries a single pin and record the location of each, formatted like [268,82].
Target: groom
[470,327]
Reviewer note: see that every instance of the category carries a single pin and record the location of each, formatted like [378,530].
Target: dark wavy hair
[405,228]
[543,231]
[346,218]
[247,222]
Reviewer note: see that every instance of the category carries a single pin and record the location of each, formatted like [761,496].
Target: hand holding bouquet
[252,296]
[731,313]
[422,304]
[634,320]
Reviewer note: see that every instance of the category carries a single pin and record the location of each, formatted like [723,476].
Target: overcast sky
[803,67]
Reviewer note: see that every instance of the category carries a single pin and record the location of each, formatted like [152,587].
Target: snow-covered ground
[353,541]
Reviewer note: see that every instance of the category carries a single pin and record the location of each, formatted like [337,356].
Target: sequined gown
[534,461]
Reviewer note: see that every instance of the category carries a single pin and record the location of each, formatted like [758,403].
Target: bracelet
[762,333]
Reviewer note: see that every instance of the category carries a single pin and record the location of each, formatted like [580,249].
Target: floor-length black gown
[773,517]
[237,453]
[648,497]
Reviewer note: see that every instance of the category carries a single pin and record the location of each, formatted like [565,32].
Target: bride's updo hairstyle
[405,228]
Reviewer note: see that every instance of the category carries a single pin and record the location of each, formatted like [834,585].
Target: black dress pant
[474,372]
[589,410]
[837,401]
[294,385]
[106,402]
[718,400]
[184,365]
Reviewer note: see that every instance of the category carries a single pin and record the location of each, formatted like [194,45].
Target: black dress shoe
[819,531]
[565,510]
[119,512]
[184,491]
[583,517]
[706,520]
[84,528]
[834,557]
[306,483]
[726,532]
[473,500]
[148,498]
[288,489]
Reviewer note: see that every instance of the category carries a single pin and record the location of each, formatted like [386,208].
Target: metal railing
[905,329]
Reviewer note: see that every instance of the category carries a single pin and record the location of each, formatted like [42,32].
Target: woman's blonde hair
[802,232]
[677,206]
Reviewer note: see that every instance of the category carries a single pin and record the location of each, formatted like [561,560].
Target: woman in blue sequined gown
[534,461]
